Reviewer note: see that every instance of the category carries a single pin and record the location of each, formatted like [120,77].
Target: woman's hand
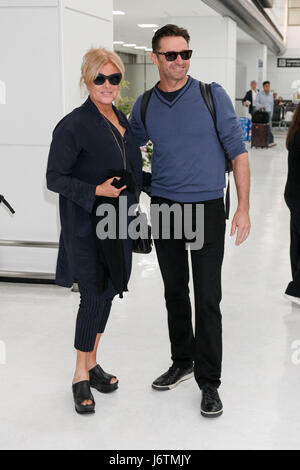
[106,189]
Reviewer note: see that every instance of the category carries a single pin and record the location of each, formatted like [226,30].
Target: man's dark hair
[266,83]
[169,30]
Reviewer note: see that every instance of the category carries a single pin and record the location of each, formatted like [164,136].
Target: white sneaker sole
[170,387]
[215,414]
[295,300]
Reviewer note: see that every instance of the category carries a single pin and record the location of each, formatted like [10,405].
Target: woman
[292,198]
[92,157]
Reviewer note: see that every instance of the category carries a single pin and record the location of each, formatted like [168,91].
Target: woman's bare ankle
[80,376]
[91,365]
[91,361]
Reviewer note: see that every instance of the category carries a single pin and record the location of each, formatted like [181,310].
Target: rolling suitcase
[260,135]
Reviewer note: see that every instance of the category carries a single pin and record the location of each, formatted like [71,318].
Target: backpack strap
[144,105]
[207,95]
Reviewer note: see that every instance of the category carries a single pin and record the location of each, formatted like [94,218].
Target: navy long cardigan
[82,152]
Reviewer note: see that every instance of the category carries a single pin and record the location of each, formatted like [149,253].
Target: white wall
[41,47]
[282,78]
[250,55]
[86,24]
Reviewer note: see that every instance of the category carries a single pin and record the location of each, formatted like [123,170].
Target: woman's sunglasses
[172,55]
[114,79]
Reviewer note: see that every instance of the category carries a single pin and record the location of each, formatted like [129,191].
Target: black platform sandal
[81,393]
[100,380]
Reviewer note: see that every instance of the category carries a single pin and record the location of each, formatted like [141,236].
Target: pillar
[41,47]
[254,57]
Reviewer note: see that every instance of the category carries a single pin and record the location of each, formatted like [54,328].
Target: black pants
[92,317]
[293,287]
[205,347]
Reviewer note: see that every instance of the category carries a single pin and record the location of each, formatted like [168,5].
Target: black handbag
[260,117]
[144,243]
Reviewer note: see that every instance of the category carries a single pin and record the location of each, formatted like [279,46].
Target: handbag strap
[123,153]
[123,149]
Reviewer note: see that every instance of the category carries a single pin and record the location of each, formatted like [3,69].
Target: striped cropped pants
[92,317]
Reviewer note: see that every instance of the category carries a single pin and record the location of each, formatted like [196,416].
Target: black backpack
[207,95]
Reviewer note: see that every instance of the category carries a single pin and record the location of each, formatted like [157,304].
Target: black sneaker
[172,377]
[211,405]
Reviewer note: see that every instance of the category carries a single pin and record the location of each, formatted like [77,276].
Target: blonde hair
[92,62]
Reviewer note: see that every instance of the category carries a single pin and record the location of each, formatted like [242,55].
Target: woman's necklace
[122,150]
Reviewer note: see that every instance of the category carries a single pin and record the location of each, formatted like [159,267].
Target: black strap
[207,95]
[144,105]
[2,199]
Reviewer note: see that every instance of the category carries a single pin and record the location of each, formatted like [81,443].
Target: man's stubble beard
[169,76]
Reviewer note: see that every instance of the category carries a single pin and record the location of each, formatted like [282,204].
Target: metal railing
[25,243]
[27,274]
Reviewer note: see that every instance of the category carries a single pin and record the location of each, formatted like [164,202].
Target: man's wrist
[244,206]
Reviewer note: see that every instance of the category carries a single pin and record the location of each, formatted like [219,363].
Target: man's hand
[241,223]
[241,220]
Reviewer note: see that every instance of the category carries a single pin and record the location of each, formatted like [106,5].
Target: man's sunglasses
[172,55]
[114,79]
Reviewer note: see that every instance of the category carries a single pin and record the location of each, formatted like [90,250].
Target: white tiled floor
[261,385]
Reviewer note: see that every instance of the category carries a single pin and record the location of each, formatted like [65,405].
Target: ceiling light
[148,49]
[147,25]
[117,12]
[140,47]
[129,45]
[118,42]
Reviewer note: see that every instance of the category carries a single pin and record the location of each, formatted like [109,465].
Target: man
[250,97]
[265,101]
[188,166]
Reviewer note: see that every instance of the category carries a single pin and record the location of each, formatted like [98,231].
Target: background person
[292,198]
[279,101]
[89,144]
[265,101]
[250,97]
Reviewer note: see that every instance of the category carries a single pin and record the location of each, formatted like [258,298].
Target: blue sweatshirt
[188,163]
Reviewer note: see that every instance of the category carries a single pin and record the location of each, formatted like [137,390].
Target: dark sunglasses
[114,79]
[172,55]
